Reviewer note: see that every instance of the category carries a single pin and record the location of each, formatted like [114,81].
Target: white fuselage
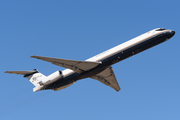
[120,48]
[97,67]
[114,55]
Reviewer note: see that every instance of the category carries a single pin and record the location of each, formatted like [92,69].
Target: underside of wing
[108,78]
[77,66]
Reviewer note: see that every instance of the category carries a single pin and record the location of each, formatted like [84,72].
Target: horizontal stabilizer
[34,76]
[22,72]
[77,66]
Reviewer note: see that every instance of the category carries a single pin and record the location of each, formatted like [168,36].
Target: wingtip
[6,72]
[10,72]
[33,56]
[118,90]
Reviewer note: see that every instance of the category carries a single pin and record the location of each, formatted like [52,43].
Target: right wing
[77,66]
[108,78]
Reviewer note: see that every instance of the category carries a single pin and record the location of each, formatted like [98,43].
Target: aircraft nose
[172,32]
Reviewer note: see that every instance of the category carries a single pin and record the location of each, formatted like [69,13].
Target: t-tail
[38,79]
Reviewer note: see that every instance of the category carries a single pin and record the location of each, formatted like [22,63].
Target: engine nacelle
[51,78]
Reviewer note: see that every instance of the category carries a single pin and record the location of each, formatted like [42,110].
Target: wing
[108,78]
[77,66]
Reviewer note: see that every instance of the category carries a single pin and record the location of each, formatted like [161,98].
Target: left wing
[108,78]
[77,66]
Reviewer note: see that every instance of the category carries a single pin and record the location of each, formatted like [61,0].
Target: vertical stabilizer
[35,78]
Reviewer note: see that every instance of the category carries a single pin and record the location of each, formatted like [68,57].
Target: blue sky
[78,30]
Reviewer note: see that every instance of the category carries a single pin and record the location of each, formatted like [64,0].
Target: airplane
[97,67]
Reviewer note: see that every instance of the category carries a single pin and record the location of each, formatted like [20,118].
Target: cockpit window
[160,29]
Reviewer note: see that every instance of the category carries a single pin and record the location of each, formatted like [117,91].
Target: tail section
[34,76]
[38,79]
